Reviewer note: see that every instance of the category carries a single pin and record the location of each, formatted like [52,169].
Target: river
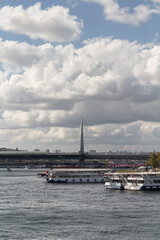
[30,208]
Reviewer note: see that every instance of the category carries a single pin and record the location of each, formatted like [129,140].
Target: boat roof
[133,173]
[79,169]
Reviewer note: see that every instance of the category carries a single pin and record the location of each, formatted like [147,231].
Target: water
[30,208]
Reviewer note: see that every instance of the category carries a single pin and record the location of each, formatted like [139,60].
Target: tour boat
[76,175]
[133,181]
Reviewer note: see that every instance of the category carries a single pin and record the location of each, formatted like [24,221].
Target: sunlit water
[30,208]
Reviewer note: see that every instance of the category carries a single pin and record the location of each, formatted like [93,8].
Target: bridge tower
[82,139]
[81,152]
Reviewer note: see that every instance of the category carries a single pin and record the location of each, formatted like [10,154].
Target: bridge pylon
[81,152]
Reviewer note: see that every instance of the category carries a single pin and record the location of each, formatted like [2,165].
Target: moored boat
[138,181]
[76,175]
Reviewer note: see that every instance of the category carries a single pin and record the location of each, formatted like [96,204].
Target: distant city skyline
[65,60]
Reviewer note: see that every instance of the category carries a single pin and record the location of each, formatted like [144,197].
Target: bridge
[44,155]
[81,157]
[49,159]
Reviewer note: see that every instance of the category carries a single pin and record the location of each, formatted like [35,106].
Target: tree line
[154,160]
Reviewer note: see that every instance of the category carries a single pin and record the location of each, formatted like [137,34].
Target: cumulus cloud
[53,24]
[49,138]
[19,54]
[106,81]
[140,13]
[138,134]
[135,136]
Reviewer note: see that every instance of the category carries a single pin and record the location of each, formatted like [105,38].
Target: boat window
[80,180]
[156,181]
[140,181]
[73,180]
[117,180]
[87,180]
[130,181]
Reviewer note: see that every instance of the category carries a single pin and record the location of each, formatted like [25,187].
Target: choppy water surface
[30,208]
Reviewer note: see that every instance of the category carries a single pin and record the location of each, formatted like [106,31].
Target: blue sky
[66,59]
[95,24]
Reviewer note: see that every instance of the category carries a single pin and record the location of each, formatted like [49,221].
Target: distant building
[57,151]
[3,149]
[36,150]
[92,151]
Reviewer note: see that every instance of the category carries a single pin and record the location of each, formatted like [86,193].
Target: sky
[64,60]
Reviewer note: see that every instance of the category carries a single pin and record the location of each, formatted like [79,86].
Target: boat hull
[150,188]
[67,180]
[114,186]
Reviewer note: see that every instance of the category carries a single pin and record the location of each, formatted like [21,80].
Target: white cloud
[109,82]
[140,13]
[19,54]
[135,136]
[140,133]
[53,24]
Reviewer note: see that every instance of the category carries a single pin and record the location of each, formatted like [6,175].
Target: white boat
[138,181]
[76,175]
[113,181]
